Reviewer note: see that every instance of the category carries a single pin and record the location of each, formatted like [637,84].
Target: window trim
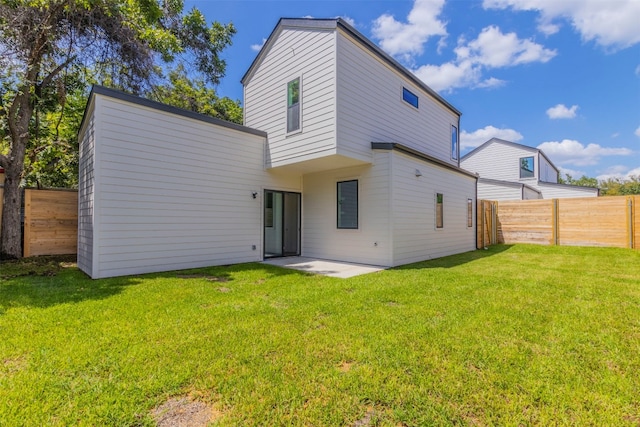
[439,226]
[469,213]
[533,167]
[299,129]
[357,204]
[455,149]
[405,93]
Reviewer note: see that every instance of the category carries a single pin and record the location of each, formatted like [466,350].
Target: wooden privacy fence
[601,221]
[50,222]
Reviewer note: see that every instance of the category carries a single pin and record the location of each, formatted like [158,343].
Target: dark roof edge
[118,94]
[394,146]
[332,24]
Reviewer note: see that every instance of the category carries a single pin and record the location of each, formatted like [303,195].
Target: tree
[195,95]
[43,41]
[620,187]
[583,181]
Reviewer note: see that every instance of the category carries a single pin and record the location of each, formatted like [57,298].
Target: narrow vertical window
[293,105]
[409,97]
[348,204]
[439,211]
[454,143]
[526,167]
[469,213]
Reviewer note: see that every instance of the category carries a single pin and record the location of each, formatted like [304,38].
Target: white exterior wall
[560,191]
[371,242]
[495,191]
[500,162]
[547,172]
[175,192]
[86,192]
[530,194]
[370,107]
[415,236]
[309,54]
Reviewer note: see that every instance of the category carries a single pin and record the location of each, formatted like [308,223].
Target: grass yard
[521,335]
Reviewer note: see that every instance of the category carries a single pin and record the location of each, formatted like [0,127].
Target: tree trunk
[11,244]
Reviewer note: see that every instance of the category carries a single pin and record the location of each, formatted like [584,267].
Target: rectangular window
[348,204]
[268,209]
[293,105]
[454,143]
[526,167]
[469,213]
[439,210]
[410,97]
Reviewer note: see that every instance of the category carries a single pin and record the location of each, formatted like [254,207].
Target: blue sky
[561,75]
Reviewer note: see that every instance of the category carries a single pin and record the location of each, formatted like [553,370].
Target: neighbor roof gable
[513,144]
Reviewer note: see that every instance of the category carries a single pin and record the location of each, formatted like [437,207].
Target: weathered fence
[50,222]
[601,221]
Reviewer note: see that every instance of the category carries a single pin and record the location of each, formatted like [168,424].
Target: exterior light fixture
[418,173]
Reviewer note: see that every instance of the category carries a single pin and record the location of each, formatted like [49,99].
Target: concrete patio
[343,270]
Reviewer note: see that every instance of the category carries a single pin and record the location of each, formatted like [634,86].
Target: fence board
[50,222]
[527,221]
[603,221]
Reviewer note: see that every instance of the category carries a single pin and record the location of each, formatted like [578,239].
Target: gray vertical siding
[86,169]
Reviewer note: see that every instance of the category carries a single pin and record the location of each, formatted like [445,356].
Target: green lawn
[521,335]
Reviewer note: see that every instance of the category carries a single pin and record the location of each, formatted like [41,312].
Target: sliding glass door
[281,223]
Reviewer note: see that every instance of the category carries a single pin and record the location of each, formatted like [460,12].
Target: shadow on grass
[66,284]
[456,260]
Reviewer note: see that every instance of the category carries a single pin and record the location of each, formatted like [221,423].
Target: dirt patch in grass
[36,266]
[183,412]
[203,276]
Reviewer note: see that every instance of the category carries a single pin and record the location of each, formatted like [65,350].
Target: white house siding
[562,191]
[370,107]
[86,192]
[530,194]
[309,54]
[548,173]
[497,191]
[500,161]
[175,192]
[370,243]
[415,237]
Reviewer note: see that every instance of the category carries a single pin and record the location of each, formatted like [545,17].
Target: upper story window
[293,105]
[410,97]
[526,167]
[455,150]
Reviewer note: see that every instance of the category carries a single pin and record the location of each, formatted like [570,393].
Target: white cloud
[637,132]
[256,47]
[494,49]
[611,24]
[572,152]
[561,111]
[408,39]
[480,136]
[638,71]
[491,49]
[619,172]
[348,19]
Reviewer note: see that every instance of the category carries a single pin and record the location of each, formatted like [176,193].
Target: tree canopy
[51,50]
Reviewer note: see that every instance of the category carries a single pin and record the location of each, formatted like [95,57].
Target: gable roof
[334,25]
[513,144]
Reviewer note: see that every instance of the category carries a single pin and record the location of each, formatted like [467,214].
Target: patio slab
[343,270]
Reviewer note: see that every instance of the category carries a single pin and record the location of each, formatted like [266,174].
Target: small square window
[348,204]
[410,97]
[439,210]
[526,167]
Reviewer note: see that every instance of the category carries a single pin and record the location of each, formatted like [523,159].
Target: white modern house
[511,171]
[345,155]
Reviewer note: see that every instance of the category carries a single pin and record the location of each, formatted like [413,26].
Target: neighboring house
[510,171]
[345,156]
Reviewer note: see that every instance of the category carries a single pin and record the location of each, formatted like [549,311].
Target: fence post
[554,221]
[27,223]
[630,221]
